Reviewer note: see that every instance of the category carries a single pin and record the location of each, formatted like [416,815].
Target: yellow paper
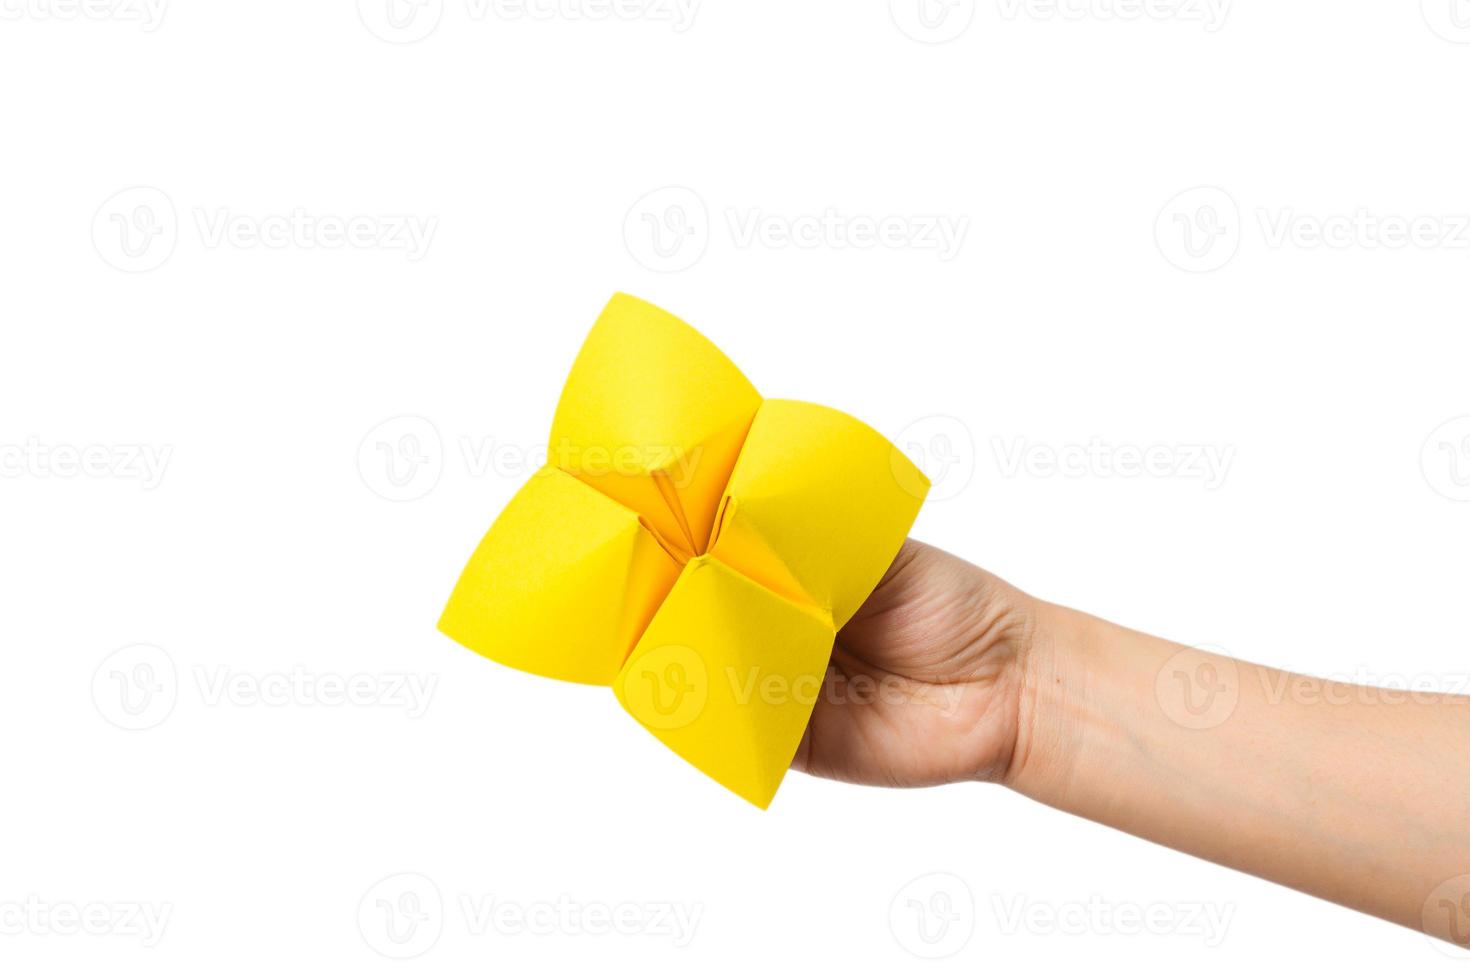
[689,543]
[563,583]
[653,415]
[814,508]
[726,676]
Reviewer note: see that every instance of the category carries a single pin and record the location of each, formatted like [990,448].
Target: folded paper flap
[563,584]
[646,379]
[669,491]
[676,548]
[815,507]
[654,415]
[726,675]
[763,565]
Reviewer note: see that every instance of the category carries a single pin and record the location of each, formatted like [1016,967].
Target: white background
[270,549]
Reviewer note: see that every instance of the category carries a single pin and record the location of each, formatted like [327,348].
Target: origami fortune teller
[689,543]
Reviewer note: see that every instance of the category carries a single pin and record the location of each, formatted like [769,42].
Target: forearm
[1358,795]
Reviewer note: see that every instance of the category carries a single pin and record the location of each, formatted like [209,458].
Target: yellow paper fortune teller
[689,543]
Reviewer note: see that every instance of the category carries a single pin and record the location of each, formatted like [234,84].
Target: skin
[1358,795]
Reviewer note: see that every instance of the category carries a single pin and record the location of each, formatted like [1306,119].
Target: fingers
[937,619]
[832,746]
[856,731]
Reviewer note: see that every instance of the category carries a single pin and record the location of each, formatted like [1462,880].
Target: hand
[925,680]
[1352,793]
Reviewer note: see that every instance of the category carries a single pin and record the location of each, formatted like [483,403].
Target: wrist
[1051,688]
